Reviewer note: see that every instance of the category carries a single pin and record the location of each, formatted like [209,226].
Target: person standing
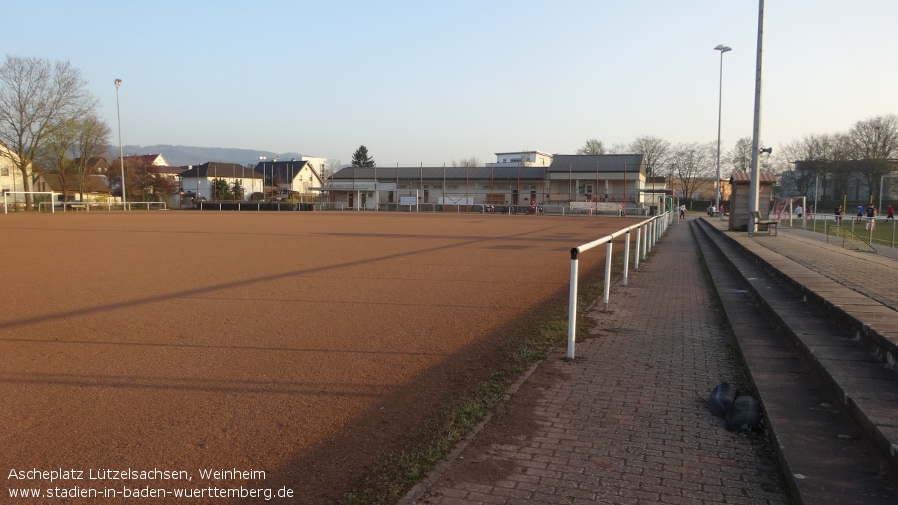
[838,214]
[798,211]
[871,216]
[683,211]
[890,214]
[860,214]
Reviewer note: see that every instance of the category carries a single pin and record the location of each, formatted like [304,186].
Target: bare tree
[655,151]
[69,148]
[811,160]
[53,155]
[93,142]
[694,163]
[870,144]
[739,158]
[618,148]
[467,162]
[35,97]
[592,147]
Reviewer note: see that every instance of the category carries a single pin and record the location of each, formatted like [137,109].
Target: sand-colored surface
[302,344]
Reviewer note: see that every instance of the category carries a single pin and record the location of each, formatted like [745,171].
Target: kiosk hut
[740,188]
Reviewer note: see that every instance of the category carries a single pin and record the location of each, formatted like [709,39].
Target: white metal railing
[648,232]
[87,206]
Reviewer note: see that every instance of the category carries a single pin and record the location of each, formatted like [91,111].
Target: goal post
[12,198]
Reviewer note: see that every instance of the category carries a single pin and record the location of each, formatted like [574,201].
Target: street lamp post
[121,149]
[722,48]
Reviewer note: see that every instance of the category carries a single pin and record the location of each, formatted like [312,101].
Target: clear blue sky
[432,81]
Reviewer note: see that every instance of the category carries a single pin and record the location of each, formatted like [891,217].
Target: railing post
[651,238]
[636,256]
[607,273]
[626,255]
[572,306]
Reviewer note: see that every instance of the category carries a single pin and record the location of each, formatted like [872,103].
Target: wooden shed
[740,189]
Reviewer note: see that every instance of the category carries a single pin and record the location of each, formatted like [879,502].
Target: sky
[429,82]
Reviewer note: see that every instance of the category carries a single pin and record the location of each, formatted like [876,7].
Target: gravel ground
[292,350]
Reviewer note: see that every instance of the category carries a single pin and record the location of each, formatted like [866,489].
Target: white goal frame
[32,193]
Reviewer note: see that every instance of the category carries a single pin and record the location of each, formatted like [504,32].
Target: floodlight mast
[121,149]
[722,48]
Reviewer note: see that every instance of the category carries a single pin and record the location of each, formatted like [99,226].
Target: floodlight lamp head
[767,150]
[722,48]
[118,82]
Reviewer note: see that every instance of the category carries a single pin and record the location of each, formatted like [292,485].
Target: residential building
[289,179]
[71,188]
[522,158]
[196,182]
[10,175]
[145,160]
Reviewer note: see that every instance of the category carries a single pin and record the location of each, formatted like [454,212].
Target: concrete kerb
[419,489]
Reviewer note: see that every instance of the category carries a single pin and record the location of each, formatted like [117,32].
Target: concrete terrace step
[865,379]
[830,404]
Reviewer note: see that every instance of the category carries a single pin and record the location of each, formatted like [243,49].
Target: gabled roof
[746,177]
[224,170]
[94,162]
[147,159]
[165,170]
[284,170]
[596,163]
[92,184]
[430,173]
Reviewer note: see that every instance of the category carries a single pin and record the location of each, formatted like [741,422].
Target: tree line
[852,161]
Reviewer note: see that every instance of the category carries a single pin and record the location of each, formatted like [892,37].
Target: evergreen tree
[237,190]
[360,158]
[220,189]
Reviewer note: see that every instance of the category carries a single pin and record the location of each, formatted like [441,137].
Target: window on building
[4,171]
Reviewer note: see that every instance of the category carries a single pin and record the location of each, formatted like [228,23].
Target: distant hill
[190,155]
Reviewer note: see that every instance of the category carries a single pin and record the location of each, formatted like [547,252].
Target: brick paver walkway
[625,423]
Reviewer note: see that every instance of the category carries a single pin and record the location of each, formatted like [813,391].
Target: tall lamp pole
[722,48]
[121,154]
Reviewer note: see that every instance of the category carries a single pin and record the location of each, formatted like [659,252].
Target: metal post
[756,133]
[638,239]
[121,149]
[572,306]
[626,255]
[607,291]
[722,48]
[645,239]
